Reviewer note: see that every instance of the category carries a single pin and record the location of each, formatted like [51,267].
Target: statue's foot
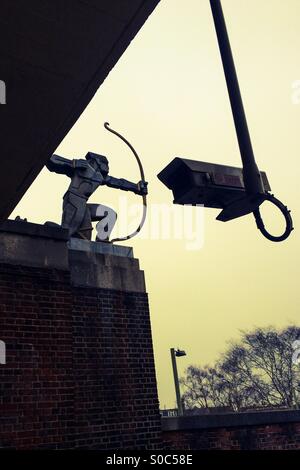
[102,241]
[51,224]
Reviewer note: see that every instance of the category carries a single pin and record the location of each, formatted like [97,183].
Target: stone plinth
[79,369]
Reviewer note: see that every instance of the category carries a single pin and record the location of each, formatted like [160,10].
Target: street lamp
[177,353]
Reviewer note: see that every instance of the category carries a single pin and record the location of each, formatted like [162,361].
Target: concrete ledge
[91,264]
[34,245]
[104,271]
[100,247]
[228,420]
[36,230]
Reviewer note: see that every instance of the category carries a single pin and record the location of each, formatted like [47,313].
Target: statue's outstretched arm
[120,183]
[61,165]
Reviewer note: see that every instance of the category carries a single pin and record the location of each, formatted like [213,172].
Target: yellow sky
[167,94]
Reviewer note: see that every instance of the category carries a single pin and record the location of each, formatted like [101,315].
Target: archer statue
[86,176]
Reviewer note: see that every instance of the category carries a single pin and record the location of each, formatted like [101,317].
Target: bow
[131,235]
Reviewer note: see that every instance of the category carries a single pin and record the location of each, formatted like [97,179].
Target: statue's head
[98,162]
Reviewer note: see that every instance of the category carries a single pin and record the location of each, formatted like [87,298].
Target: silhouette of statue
[86,176]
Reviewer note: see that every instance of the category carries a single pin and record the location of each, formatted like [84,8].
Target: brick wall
[240,431]
[79,370]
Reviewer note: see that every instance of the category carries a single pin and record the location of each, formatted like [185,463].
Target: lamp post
[177,353]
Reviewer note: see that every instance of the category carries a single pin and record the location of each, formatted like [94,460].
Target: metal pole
[252,178]
[176,382]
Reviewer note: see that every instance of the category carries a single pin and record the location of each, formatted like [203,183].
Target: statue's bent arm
[120,183]
[61,165]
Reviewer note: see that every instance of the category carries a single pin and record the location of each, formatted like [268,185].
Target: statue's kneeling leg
[74,213]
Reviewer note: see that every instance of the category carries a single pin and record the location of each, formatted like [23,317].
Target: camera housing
[212,185]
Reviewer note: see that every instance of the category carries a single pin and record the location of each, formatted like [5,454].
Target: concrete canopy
[54,55]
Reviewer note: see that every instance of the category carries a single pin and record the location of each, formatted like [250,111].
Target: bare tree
[254,373]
